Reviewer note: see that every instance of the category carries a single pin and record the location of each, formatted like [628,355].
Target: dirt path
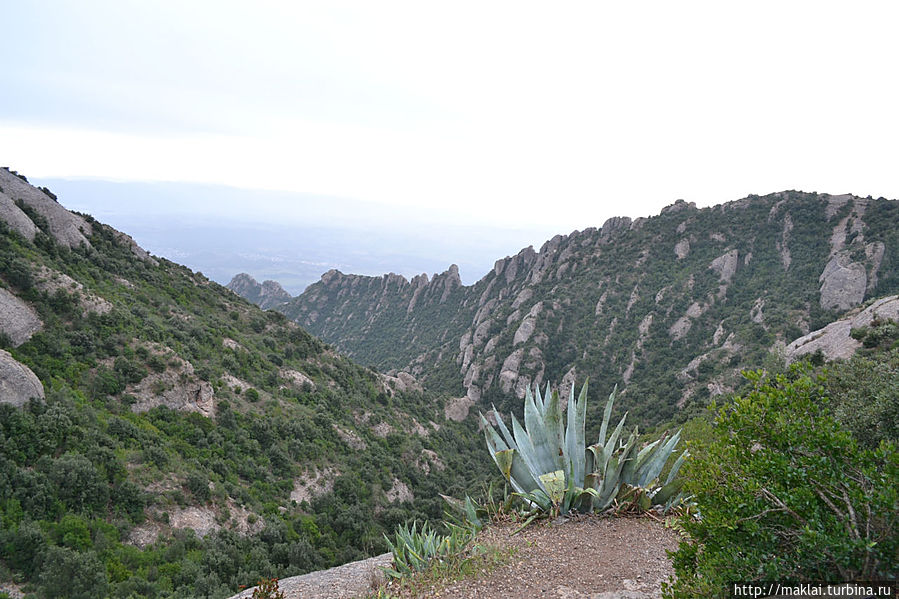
[587,557]
[583,558]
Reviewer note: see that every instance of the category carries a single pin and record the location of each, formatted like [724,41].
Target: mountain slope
[669,307]
[160,436]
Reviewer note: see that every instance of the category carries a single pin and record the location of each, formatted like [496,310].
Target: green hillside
[183,442]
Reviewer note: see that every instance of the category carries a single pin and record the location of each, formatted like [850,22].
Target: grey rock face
[17,220]
[834,340]
[17,383]
[18,320]
[265,295]
[843,283]
[67,228]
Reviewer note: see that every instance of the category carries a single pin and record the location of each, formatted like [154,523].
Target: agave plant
[548,465]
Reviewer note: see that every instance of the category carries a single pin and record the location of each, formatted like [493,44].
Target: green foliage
[268,589]
[69,574]
[414,548]
[785,493]
[865,394]
[81,471]
[547,463]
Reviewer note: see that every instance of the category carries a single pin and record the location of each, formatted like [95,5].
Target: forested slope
[162,437]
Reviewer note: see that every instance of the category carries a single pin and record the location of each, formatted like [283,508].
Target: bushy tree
[68,574]
[784,492]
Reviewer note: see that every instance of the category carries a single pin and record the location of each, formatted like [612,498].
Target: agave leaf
[629,461]
[522,476]
[675,468]
[540,439]
[653,466]
[538,399]
[636,465]
[526,448]
[610,484]
[574,434]
[606,416]
[471,513]
[662,496]
[494,441]
[589,462]
[554,483]
[612,445]
[507,436]
[555,433]
[504,459]
[537,499]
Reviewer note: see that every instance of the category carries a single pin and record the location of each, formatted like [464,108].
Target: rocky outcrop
[141,253]
[18,320]
[266,295]
[457,408]
[834,341]
[52,281]
[177,387]
[401,382]
[297,379]
[17,220]
[18,383]
[67,228]
[726,265]
[843,283]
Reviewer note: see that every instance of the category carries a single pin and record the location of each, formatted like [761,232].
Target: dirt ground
[582,558]
[585,557]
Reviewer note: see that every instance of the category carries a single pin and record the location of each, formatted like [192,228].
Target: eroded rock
[834,340]
[18,320]
[18,383]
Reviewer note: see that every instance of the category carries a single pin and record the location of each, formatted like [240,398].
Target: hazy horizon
[509,115]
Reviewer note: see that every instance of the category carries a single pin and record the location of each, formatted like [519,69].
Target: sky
[535,116]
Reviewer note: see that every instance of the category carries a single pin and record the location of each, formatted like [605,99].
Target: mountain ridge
[693,291]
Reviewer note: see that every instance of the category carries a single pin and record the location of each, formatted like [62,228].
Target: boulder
[18,383]
[18,320]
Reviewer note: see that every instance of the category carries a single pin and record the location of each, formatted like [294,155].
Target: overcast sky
[556,115]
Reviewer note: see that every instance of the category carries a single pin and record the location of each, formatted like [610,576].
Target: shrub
[268,589]
[785,493]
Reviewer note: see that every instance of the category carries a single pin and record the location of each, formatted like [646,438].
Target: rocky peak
[612,226]
[69,229]
[679,206]
[266,295]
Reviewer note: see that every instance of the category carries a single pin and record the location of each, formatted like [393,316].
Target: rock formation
[834,341]
[266,295]
[18,320]
[18,383]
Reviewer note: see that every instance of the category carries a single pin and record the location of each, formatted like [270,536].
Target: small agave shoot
[548,465]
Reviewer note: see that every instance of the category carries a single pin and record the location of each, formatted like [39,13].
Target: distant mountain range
[669,308]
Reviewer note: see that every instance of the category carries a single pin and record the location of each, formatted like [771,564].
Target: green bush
[784,492]
[865,392]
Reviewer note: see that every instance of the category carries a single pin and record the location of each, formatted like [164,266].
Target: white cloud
[501,112]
